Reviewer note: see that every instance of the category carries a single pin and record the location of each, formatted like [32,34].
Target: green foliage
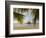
[35,12]
[19,17]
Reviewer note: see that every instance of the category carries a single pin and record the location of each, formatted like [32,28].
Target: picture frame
[10,6]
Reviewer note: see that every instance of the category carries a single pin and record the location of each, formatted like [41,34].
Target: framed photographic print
[24,18]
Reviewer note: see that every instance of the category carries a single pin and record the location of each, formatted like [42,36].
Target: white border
[25,31]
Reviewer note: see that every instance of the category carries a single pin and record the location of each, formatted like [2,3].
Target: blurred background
[25,18]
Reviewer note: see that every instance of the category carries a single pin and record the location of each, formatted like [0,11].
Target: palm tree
[35,13]
[19,14]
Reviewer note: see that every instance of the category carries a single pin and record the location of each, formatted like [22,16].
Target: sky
[28,17]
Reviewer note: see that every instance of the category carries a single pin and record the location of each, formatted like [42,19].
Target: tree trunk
[35,20]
